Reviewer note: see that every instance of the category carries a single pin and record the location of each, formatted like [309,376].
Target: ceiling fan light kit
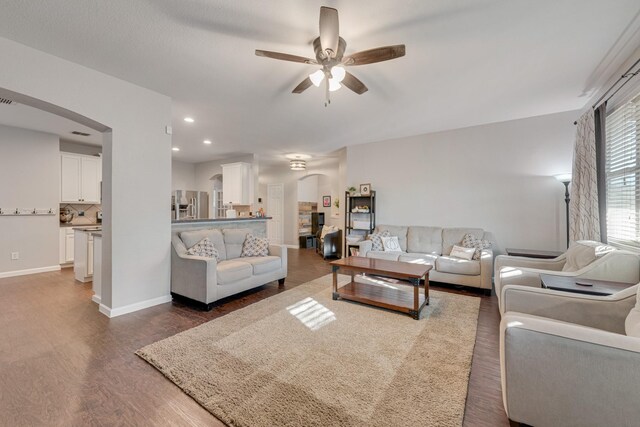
[329,50]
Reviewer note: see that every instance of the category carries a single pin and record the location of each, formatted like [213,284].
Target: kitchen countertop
[67,224]
[88,230]
[209,220]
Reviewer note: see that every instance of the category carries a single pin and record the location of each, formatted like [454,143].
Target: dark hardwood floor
[63,363]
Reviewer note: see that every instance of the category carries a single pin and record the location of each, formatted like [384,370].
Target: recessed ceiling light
[175,149]
[189,119]
[207,141]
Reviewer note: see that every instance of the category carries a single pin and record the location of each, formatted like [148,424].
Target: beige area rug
[301,359]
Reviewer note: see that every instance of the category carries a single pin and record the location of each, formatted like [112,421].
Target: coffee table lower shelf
[390,297]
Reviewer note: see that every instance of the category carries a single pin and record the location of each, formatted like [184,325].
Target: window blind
[623,174]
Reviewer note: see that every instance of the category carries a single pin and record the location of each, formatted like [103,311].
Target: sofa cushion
[191,238]
[424,240]
[230,271]
[632,323]
[390,244]
[326,229]
[462,252]
[453,236]
[255,246]
[447,264]
[418,258]
[396,230]
[393,256]
[204,248]
[578,256]
[264,264]
[471,241]
[233,241]
[376,240]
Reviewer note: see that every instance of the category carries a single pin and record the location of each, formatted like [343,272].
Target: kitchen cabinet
[83,255]
[66,245]
[237,183]
[80,178]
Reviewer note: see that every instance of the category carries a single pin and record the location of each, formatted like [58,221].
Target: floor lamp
[565,178]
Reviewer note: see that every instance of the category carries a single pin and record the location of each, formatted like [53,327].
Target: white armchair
[570,359]
[606,263]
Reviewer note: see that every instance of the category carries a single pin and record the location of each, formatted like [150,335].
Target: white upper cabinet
[80,178]
[237,183]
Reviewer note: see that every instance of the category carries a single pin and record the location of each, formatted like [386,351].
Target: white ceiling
[468,62]
[23,116]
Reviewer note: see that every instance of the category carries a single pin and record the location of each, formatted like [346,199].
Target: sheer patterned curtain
[584,217]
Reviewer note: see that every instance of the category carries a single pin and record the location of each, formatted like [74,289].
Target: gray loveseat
[432,245]
[206,280]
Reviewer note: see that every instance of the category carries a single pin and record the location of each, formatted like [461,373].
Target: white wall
[136,168]
[308,189]
[497,177]
[327,171]
[29,178]
[183,176]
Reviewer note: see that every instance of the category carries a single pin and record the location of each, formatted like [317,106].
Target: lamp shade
[338,73]
[317,77]
[334,85]
[563,177]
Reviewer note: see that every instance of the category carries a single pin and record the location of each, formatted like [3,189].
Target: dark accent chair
[330,246]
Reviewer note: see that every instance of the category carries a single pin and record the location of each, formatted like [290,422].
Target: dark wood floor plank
[63,363]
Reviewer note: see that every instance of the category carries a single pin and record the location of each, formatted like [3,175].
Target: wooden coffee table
[375,289]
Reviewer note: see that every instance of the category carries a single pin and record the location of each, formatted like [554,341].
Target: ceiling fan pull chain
[327,99]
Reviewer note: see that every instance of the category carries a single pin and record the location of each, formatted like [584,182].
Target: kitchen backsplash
[89,213]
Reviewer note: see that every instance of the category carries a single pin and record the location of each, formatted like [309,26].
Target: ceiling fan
[329,49]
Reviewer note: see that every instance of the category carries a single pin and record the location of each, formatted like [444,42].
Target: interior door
[275,209]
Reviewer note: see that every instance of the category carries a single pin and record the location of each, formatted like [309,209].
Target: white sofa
[432,245]
[609,264]
[570,359]
[206,280]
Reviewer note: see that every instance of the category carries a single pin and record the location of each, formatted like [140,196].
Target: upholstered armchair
[584,259]
[570,359]
[329,244]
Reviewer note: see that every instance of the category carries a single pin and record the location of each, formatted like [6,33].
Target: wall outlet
[15,256]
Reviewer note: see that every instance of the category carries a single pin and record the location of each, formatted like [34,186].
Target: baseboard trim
[292,246]
[119,311]
[30,271]
[96,299]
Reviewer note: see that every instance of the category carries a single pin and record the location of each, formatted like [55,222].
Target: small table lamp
[565,178]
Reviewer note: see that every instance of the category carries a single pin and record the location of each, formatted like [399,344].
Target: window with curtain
[623,174]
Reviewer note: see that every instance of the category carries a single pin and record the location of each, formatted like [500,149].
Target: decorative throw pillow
[471,241]
[579,256]
[326,229]
[204,248]
[376,242]
[462,252]
[391,244]
[255,246]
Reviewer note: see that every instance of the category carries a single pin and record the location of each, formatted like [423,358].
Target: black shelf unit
[350,204]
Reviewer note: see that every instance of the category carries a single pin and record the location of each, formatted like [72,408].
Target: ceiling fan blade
[353,83]
[329,30]
[304,85]
[285,57]
[378,54]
